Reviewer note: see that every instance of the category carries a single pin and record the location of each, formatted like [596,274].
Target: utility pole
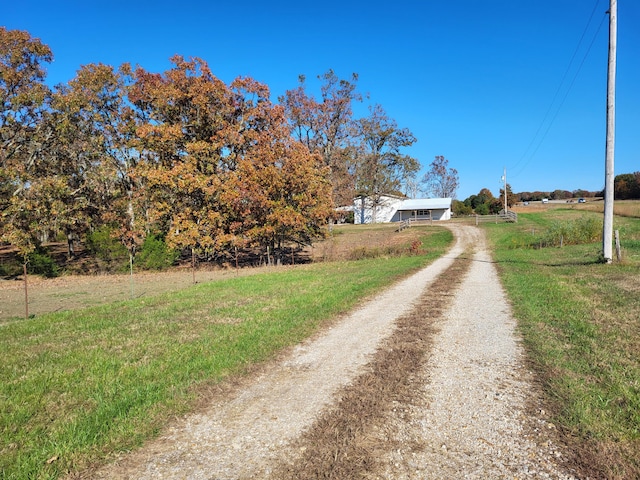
[607,233]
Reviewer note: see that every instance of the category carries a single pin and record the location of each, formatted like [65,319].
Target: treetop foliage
[364,156]
[441,181]
[627,186]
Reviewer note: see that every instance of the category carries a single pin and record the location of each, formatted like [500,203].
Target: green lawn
[77,386]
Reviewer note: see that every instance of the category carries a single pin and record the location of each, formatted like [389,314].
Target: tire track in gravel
[471,414]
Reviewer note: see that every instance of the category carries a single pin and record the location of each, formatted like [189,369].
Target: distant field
[625,208]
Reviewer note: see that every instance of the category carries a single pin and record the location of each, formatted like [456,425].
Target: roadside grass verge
[78,386]
[580,321]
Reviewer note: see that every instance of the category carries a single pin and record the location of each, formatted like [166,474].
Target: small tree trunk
[71,253]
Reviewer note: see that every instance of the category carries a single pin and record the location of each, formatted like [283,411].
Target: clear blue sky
[488,84]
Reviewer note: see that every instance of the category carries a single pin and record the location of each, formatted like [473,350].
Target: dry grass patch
[348,242]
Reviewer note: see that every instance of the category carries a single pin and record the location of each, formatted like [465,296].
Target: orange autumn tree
[279,192]
[219,166]
[24,99]
[184,122]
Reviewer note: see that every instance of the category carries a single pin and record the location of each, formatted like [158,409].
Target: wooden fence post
[26,291]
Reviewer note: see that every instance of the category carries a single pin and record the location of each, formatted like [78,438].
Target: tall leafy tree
[220,165]
[112,119]
[441,181]
[185,125]
[382,168]
[280,192]
[326,125]
[512,198]
[92,155]
[627,185]
[275,191]
[24,101]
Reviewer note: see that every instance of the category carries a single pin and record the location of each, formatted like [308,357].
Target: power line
[558,90]
[563,98]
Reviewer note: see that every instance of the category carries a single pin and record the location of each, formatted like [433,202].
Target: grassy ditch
[77,386]
[580,321]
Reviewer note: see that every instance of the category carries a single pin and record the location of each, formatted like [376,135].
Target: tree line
[626,186]
[207,166]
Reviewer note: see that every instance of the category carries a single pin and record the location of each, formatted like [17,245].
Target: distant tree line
[485,203]
[556,195]
[180,156]
[626,187]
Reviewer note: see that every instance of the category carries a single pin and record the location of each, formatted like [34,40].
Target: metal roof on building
[425,204]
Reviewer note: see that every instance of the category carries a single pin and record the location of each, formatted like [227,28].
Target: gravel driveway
[467,415]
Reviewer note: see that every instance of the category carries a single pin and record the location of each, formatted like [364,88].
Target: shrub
[155,255]
[390,251]
[460,208]
[39,263]
[103,244]
[482,209]
[574,232]
[10,268]
[360,253]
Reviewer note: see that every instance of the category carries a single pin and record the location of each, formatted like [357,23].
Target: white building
[397,209]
